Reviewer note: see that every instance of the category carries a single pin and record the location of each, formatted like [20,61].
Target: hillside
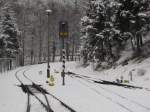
[139,69]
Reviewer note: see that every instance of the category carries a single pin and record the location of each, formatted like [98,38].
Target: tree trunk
[141,40]
[23,40]
[40,41]
[138,41]
[132,44]
[10,64]
[73,46]
[32,51]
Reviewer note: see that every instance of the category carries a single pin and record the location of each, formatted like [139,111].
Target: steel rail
[28,95]
[62,103]
[87,79]
[30,92]
[47,107]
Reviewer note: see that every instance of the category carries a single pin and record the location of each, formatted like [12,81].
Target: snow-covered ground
[79,94]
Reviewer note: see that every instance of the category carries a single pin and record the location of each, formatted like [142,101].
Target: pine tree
[8,33]
[91,25]
[112,25]
[133,21]
[99,30]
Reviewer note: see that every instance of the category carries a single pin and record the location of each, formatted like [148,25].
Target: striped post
[63,66]
[63,33]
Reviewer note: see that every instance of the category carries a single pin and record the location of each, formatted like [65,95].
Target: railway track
[27,89]
[109,94]
[31,90]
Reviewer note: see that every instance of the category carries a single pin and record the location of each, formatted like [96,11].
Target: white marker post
[63,33]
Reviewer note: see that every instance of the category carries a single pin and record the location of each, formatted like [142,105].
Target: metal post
[48,65]
[63,33]
[48,44]
[63,61]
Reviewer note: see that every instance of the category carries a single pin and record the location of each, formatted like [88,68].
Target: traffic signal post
[63,34]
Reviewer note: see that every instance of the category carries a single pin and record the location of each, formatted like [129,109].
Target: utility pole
[48,44]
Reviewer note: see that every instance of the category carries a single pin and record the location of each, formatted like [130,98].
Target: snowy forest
[103,32]
[23,30]
[74,55]
[115,31]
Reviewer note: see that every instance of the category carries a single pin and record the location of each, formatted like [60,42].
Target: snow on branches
[110,24]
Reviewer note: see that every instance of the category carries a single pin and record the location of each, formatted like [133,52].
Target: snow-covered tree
[8,33]
[110,25]
[132,20]
[99,30]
